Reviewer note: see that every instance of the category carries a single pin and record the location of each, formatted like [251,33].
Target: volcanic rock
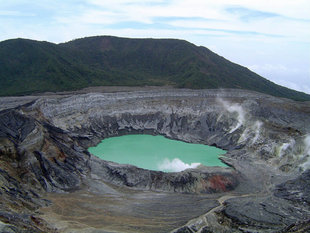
[45,162]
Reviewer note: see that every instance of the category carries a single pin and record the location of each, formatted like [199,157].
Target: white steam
[234,108]
[285,146]
[256,129]
[306,165]
[175,165]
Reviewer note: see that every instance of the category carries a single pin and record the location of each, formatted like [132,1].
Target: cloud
[248,14]
[15,13]
[228,16]
[269,68]
[218,18]
[285,75]
[298,9]
[100,17]
[218,27]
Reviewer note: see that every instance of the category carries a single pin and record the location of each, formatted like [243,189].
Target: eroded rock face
[201,180]
[43,148]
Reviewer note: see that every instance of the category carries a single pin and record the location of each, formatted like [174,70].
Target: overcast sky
[271,37]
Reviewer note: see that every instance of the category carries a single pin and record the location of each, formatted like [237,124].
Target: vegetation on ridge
[28,66]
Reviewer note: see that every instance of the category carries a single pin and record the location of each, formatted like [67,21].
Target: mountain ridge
[29,66]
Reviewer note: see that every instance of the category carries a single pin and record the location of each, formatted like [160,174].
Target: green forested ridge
[28,66]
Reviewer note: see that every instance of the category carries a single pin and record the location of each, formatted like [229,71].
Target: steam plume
[175,165]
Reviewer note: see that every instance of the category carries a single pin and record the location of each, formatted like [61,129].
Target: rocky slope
[45,163]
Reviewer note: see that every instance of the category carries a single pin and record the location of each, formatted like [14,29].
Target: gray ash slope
[43,149]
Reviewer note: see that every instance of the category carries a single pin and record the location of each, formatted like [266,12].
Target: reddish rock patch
[220,183]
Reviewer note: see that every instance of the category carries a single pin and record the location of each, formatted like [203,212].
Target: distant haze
[272,38]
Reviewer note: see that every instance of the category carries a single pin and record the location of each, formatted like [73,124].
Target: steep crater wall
[267,127]
[44,143]
[252,127]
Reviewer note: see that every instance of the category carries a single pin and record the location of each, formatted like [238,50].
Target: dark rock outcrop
[296,190]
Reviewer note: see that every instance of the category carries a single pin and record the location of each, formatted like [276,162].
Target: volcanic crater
[51,183]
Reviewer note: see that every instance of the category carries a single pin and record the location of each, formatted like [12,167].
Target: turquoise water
[156,153]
